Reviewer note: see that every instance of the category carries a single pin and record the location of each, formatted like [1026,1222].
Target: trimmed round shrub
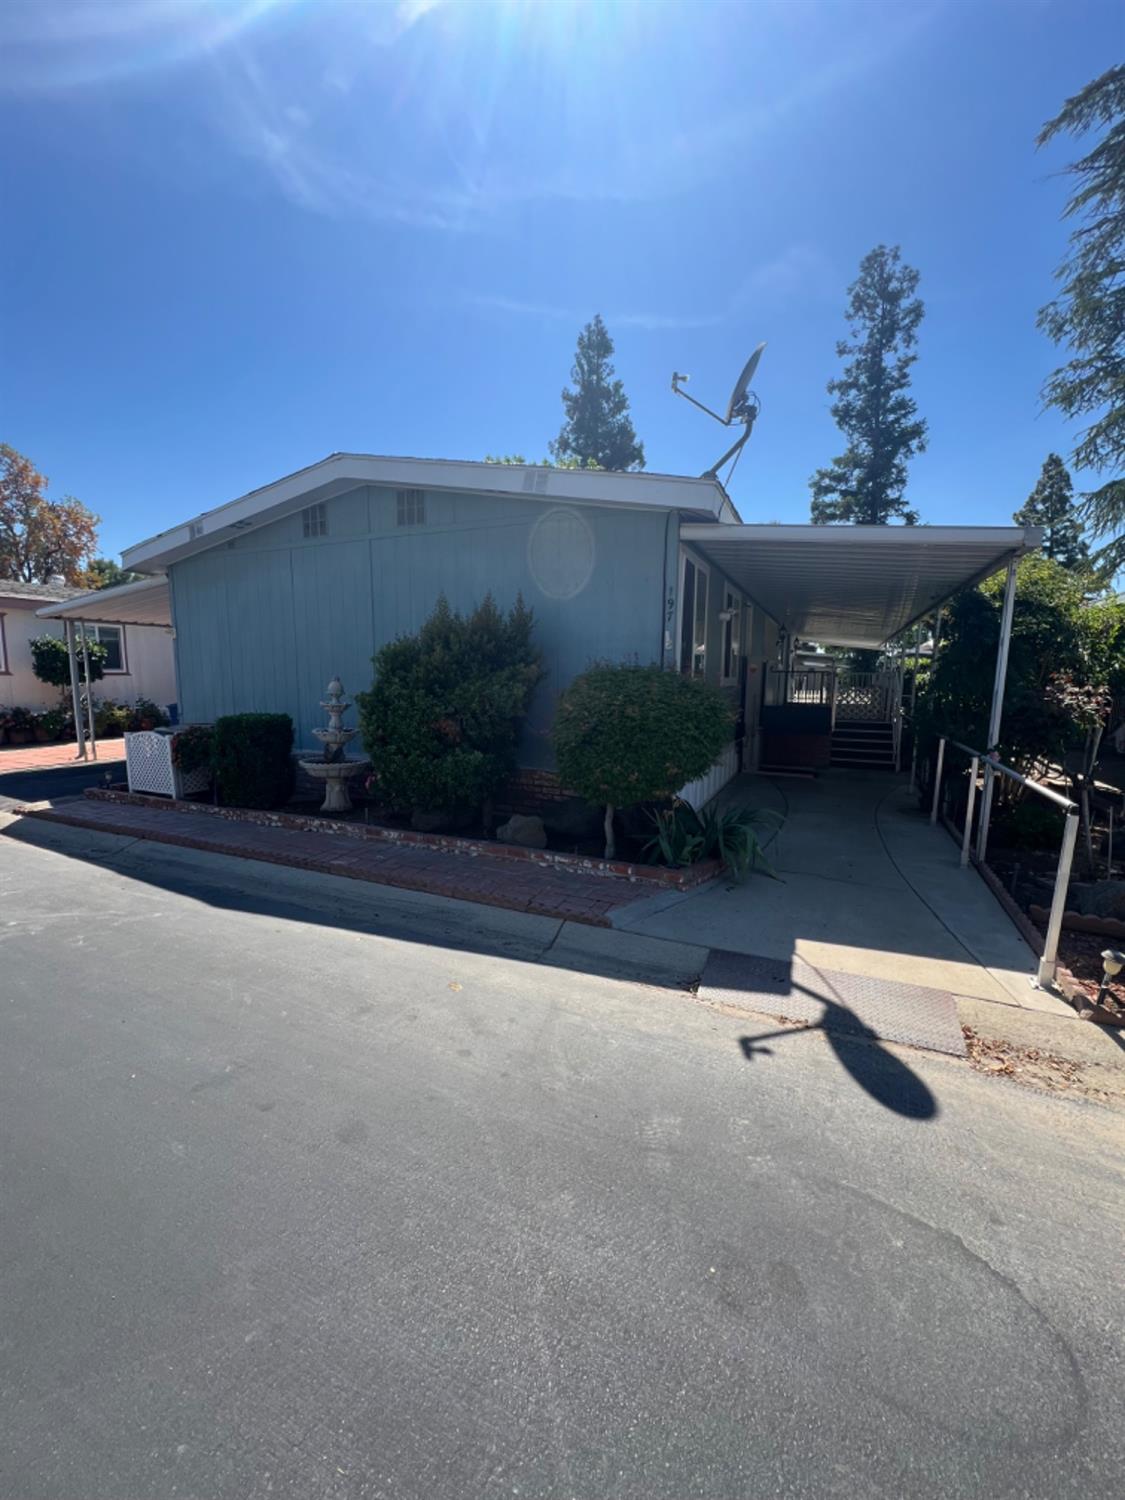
[628,734]
[251,760]
[50,660]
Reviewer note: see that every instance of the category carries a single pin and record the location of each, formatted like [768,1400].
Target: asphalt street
[354,1194]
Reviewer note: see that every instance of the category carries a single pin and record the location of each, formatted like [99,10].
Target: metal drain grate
[851,1004]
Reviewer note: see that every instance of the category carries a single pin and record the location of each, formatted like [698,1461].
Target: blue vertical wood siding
[263,622]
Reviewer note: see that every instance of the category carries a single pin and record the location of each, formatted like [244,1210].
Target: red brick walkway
[47,757]
[518,885]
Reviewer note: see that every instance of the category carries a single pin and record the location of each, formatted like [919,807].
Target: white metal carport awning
[855,586]
[145,602]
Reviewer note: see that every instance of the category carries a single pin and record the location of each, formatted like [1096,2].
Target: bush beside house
[251,761]
[629,734]
[442,719]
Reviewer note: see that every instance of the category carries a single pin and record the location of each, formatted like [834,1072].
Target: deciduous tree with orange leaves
[39,537]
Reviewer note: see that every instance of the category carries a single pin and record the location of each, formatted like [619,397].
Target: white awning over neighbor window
[146,602]
[855,585]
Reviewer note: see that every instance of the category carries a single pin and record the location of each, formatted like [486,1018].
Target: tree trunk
[610,841]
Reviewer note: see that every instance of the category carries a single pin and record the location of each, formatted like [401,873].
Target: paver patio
[48,757]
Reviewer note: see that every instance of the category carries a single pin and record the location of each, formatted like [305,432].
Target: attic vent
[195,529]
[314,521]
[410,507]
[535,481]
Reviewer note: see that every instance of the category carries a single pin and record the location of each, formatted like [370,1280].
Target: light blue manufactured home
[275,593]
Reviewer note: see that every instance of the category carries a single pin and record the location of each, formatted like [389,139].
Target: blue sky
[241,234]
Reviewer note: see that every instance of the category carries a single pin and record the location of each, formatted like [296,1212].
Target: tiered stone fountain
[335,768]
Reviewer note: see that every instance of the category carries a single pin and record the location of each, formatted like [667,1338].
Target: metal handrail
[1048,963]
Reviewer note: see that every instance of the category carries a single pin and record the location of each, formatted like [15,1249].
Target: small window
[314,521]
[410,507]
[3,648]
[693,619]
[112,637]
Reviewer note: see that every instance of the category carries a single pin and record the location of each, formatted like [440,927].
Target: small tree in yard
[443,717]
[628,734]
[50,661]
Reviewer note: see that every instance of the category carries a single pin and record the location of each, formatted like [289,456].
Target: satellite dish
[743,407]
[741,385]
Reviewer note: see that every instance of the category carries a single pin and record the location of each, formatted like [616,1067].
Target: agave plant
[681,836]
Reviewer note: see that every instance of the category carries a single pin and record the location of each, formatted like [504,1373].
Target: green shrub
[193,748]
[51,721]
[111,719]
[145,714]
[443,717]
[251,761]
[1028,824]
[50,661]
[628,734]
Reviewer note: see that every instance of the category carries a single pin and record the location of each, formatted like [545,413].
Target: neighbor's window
[112,637]
[314,521]
[693,618]
[410,507]
[732,635]
[3,647]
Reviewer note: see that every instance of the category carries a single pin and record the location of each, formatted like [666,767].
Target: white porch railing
[873,696]
[725,769]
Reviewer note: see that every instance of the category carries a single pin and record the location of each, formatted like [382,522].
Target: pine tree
[1089,313]
[598,432]
[1051,505]
[873,406]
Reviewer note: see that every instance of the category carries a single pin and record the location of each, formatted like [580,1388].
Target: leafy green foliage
[52,722]
[104,573]
[193,748]
[538,463]
[111,719]
[731,835]
[598,432]
[443,717]
[628,734]
[145,714]
[251,760]
[873,408]
[1088,315]
[50,661]
[1055,630]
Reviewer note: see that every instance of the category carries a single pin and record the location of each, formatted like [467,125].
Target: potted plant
[48,725]
[146,715]
[21,727]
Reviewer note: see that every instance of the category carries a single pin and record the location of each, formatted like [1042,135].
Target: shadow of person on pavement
[888,1080]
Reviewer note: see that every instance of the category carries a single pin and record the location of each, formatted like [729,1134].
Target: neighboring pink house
[139,662]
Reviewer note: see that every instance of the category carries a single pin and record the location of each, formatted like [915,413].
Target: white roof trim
[855,585]
[341,472]
[143,602]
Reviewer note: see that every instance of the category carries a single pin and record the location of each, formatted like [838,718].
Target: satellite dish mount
[743,407]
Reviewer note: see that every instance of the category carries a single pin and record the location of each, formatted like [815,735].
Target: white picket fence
[725,769]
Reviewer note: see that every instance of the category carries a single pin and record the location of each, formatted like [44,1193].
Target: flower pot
[20,736]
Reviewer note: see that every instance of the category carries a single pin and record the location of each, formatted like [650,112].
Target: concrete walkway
[60,753]
[867,887]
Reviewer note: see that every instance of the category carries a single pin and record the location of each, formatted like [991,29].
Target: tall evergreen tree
[598,432]
[1051,505]
[1089,312]
[873,406]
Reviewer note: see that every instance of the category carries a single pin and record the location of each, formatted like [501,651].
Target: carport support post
[75,693]
[997,704]
[1045,976]
[89,689]
[967,835]
[937,779]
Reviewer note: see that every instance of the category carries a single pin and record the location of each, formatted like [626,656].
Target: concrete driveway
[867,887]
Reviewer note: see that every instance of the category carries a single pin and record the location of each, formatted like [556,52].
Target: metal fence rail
[1048,963]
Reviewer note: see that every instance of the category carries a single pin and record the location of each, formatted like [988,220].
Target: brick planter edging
[680,880]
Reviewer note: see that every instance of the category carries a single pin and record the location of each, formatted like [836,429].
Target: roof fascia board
[343,471]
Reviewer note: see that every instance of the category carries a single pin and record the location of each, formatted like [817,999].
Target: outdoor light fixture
[1112,964]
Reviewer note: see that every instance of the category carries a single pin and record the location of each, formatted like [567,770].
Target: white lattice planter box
[150,768]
